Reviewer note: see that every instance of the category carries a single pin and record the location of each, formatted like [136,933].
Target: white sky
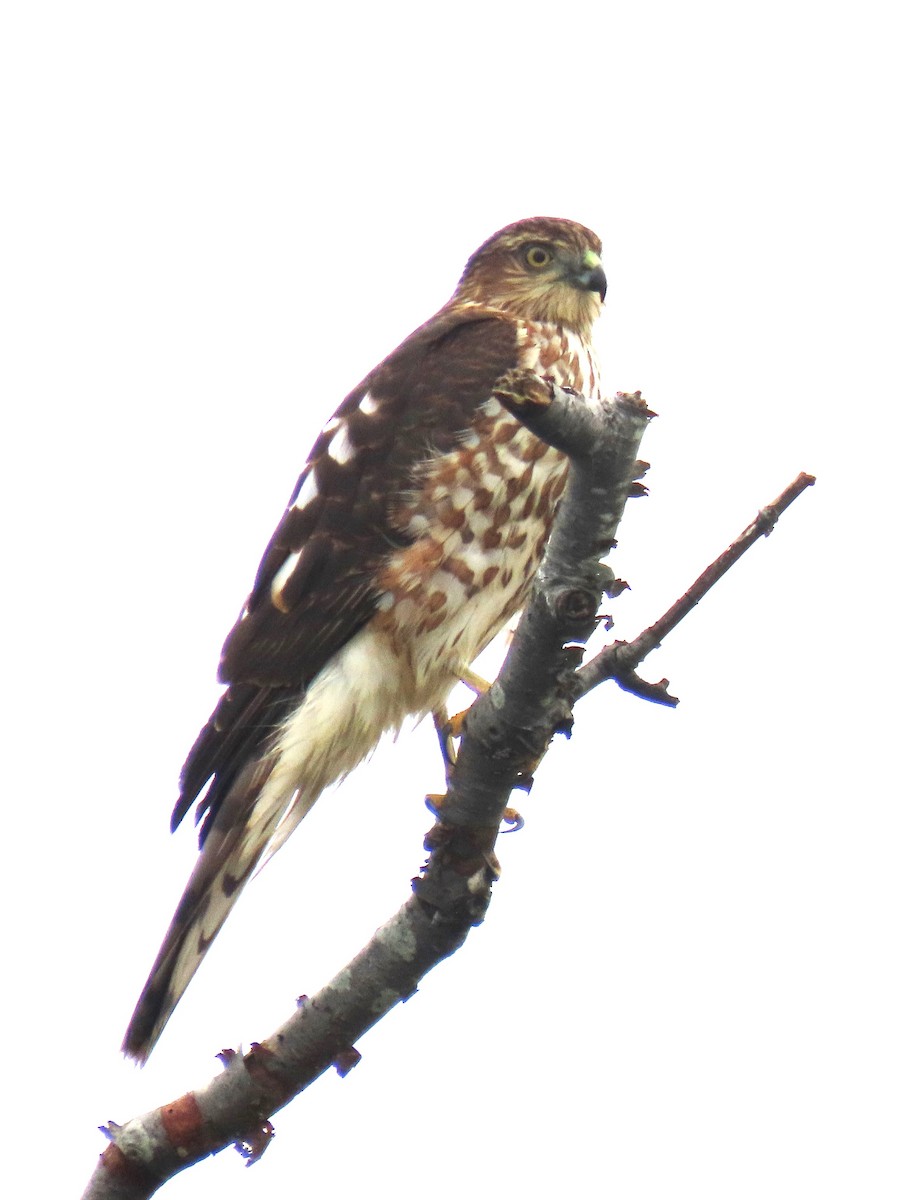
[218,217]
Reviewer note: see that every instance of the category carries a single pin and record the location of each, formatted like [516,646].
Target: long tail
[232,850]
[301,745]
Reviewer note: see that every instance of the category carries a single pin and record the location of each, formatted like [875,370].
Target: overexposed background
[218,217]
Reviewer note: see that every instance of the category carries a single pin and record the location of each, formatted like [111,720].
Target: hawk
[411,537]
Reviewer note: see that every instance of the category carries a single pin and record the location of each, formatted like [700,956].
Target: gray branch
[619,660]
[505,734]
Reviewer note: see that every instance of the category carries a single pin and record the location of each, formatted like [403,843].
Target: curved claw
[434,801]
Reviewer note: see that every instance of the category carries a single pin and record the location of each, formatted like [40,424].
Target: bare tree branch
[511,726]
[619,660]
[506,733]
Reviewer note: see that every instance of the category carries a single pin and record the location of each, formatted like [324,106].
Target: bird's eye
[538,256]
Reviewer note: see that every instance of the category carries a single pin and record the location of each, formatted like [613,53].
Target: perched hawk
[412,536]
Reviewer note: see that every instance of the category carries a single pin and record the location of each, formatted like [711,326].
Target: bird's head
[540,269]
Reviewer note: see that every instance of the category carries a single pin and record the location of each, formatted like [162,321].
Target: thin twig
[619,660]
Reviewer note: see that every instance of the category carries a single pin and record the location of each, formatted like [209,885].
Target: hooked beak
[591,276]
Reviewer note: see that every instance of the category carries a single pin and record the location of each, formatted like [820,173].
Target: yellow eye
[538,256]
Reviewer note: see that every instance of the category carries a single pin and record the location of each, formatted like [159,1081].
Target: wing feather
[314,588]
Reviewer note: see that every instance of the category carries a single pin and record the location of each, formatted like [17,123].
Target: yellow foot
[449,730]
[446,729]
[453,726]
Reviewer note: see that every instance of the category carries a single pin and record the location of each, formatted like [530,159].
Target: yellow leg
[443,725]
[449,729]
[477,683]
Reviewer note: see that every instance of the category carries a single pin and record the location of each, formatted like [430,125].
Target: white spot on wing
[332,423]
[341,448]
[279,583]
[308,491]
[368,404]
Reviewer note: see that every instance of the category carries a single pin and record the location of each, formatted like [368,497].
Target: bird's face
[541,269]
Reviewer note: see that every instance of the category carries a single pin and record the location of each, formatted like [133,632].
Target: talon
[444,728]
[448,729]
[434,801]
[453,727]
[513,819]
